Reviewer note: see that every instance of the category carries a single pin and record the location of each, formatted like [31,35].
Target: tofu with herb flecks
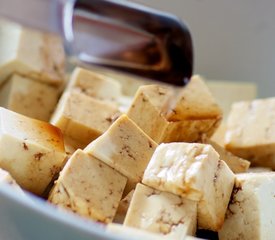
[134,233]
[126,148]
[137,234]
[251,131]
[29,97]
[193,171]
[168,115]
[83,118]
[95,85]
[32,151]
[88,187]
[161,212]
[147,110]
[251,211]
[31,53]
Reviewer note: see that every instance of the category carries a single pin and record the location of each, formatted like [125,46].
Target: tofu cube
[194,101]
[83,118]
[126,148]
[251,131]
[30,53]
[251,211]
[88,187]
[169,115]
[147,110]
[134,233]
[193,171]
[95,85]
[32,151]
[236,164]
[161,212]
[28,97]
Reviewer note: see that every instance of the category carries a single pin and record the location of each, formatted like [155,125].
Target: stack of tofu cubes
[144,165]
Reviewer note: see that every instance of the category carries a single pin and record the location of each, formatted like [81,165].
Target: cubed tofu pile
[138,158]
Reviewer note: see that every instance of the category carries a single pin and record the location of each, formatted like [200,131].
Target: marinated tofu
[126,148]
[88,187]
[193,171]
[161,212]
[29,97]
[169,115]
[83,118]
[251,211]
[32,151]
[147,110]
[194,101]
[95,85]
[30,53]
[251,131]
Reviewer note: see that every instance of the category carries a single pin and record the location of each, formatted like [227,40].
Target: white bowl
[31,218]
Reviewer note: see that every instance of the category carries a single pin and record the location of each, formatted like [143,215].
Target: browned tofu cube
[32,151]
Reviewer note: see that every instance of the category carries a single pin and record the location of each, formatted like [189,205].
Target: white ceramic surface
[31,218]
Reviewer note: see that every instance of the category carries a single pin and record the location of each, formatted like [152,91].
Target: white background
[233,40]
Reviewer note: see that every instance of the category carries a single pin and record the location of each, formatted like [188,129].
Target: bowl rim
[47,210]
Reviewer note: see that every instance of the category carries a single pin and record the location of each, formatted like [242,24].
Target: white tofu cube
[83,118]
[32,151]
[134,233]
[251,211]
[30,53]
[124,147]
[28,97]
[95,85]
[161,212]
[228,92]
[193,171]
[88,187]
[252,138]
